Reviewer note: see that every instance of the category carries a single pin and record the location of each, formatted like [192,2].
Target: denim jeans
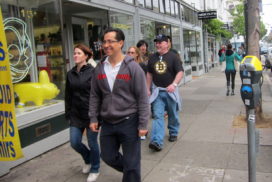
[125,135]
[164,103]
[90,155]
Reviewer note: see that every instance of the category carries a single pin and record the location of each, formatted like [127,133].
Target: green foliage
[263,31]
[214,26]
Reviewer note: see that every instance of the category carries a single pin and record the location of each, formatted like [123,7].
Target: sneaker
[92,177]
[232,93]
[172,138]
[86,168]
[143,137]
[155,146]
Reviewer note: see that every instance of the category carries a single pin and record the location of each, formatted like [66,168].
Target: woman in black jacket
[77,94]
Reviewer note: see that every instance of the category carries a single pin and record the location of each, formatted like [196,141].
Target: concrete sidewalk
[209,148]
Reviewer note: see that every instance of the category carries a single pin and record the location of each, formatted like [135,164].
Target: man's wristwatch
[175,84]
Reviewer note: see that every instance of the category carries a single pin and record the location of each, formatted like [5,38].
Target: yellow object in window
[36,92]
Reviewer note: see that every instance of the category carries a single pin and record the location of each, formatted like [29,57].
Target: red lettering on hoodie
[101,76]
[125,77]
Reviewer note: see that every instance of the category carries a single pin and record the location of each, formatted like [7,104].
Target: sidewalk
[209,148]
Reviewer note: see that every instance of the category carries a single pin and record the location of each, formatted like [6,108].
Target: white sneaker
[86,168]
[143,137]
[92,177]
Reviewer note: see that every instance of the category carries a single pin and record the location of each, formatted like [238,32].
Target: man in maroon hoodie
[119,97]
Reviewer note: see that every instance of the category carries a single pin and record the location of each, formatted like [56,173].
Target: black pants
[230,74]
[123,134]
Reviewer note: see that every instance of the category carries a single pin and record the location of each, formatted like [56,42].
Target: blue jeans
[91,155]
[164,102]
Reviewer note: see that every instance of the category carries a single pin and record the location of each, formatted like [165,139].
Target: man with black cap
[165,71]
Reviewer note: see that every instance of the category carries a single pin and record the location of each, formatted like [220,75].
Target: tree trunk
[252,23]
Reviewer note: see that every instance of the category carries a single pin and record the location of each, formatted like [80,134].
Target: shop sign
[10,147]
[121,26]
[207,15]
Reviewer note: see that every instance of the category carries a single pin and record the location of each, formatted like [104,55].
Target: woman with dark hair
[77,95]
[143,46]
[230,57]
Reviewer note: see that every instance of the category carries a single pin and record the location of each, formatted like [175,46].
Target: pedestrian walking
[77,96]
[231,59]
[119,97]
[143,46]
[164,72]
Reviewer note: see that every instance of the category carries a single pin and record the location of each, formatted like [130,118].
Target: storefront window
[129,1]
[141,3]
[162,10]
[190,47]
[176,38]
[34,41]
[156,5]
[177,9]
[167,7]
[125,23]
[172,6]
[148,4]
[148,33]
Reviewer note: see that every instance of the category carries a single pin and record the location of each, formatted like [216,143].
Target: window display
[125,23]
[34,42]
[192,45]
[148,33]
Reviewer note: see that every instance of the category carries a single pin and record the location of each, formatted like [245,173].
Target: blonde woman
[134,52]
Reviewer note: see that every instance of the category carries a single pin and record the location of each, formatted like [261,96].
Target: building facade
[41,35]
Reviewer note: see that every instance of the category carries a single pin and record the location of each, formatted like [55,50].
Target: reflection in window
[177,9]
[148,4]
[172,7]
[167,7]
[141,3]
[42,28]
[129,1]
[156,5]
[125,23]
[148,32]
[176,38]
[162,9]
[191,40]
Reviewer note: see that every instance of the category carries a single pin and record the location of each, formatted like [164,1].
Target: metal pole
[251,138]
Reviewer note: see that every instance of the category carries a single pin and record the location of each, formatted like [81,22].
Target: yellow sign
[10,147]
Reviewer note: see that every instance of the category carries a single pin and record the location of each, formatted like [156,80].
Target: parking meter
[251,73]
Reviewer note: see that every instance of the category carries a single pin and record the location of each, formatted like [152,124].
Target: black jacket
[77,95]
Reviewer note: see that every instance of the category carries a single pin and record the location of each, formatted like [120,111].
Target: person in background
[170,46]
[165,71]
[230,57]
[119,97]
[222,50]
[143,46]
[134,52]
[91,61]
[77,96]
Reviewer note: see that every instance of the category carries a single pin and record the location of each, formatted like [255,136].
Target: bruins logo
[160,67]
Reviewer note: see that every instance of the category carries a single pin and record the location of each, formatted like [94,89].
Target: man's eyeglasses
[109,41]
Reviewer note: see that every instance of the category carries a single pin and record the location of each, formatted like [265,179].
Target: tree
[214,26]
[238,23]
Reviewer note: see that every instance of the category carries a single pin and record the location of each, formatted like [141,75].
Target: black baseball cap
[160,38]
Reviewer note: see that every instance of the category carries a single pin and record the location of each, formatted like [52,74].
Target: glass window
[125,23]
[141,3]
[176,38]
[191,40]
[156,5]
[129,1]
[162,9]
[167,7]
[148,4]
[34,41]
[148,33]
[172,7]
[177,9]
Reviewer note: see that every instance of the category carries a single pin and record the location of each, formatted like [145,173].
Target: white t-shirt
[111,72]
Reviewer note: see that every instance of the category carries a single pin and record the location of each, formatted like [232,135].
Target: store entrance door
[84,24]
